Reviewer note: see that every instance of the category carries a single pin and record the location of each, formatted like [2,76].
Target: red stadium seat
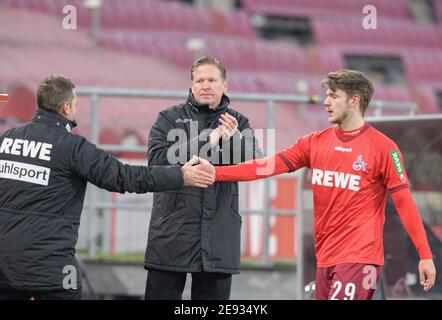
[423,65]
[389,33]
[236,53]
[396,8]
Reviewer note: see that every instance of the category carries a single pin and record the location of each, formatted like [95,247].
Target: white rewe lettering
[317,176]
[45,151]
[6,145]
[26,148]
[16,146]
[30,148]
[336,179]
[328,178]
[354,182]
[341,179]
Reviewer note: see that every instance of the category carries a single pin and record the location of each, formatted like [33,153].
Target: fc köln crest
[359,164]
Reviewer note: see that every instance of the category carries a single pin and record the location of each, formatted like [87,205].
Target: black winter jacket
[195,229]
[44,170]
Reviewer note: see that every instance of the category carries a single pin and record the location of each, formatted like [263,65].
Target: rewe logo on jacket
[26,172]
[27,148]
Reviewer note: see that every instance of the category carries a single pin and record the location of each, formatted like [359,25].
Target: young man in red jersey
[353,165]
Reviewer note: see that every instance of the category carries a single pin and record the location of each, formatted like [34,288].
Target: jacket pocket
[234,205]
[226,236]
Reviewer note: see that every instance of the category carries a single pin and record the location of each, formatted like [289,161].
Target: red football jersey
[351,173]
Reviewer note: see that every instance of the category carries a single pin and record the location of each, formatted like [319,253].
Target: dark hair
[54,91]
[208,60]
[351,82]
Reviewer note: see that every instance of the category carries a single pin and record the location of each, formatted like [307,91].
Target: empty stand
[390,32]
[236,53]
[149,15]
[162,29]
[423,65]
[389,8]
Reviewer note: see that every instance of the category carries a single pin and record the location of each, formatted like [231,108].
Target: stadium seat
[394,93]
[426,97]
[389,33]
[236,53]
[397,8]
[423,65]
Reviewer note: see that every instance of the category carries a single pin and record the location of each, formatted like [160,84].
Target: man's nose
[327,102]
[205,84]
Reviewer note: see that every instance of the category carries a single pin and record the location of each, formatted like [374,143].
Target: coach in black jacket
[44,170]
[193,230]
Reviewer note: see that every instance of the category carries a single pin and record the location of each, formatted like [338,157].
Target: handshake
[198,172]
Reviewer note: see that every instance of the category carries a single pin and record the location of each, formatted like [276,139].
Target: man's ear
[64,109]
[356,100]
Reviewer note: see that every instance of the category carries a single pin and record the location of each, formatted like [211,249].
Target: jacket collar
[222,108]
[52,118]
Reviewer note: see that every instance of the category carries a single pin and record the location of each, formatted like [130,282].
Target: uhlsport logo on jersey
[342,149]
[398,164]
[359,164]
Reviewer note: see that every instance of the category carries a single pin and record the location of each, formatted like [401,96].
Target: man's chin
[204,101]
[208,102]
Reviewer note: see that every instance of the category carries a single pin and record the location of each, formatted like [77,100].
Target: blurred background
[131,59]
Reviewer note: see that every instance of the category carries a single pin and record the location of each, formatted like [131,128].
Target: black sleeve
[105,171]
[177,150]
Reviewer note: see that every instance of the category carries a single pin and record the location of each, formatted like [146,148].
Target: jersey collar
[346,136]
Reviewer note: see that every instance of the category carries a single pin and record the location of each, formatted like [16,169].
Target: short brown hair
[209,60]
[54,91]
[351,82]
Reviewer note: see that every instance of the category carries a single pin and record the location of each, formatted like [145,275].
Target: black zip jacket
[193,229]
[44,170]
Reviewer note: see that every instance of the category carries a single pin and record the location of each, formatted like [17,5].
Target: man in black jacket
[193,230]
[44,170]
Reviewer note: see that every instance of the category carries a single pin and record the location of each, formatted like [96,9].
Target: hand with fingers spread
[427,274]
[194,177]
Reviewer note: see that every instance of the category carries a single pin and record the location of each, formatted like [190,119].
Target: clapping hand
[226,129]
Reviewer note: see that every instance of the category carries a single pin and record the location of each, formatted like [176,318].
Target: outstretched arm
[250,170]
[412,223]
[287,160]
[107,172]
